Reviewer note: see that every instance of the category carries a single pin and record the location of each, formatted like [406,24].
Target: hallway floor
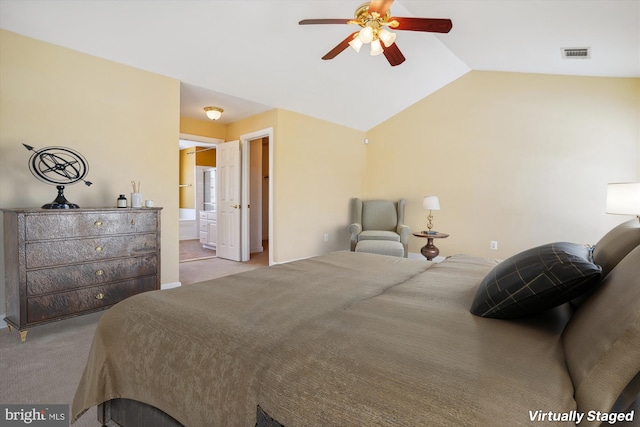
[197,264]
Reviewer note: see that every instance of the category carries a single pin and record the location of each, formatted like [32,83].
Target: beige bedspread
[345,339]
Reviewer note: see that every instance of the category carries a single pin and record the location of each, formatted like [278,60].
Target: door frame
[245,143]
[199,141]
[245,234]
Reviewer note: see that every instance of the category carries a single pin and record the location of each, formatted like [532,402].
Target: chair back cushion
[379,215]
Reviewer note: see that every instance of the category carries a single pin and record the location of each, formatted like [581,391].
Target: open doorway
[257,189]
[259,196]
[196,202]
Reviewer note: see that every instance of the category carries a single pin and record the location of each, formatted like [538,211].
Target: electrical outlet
[326,237]
[494,245]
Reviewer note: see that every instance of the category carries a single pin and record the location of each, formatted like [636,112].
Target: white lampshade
[214,113]
[387,37]
[431,203]
[366,35]
[376,47]
[356,43]
[623,198]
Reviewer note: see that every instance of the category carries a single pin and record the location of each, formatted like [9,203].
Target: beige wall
[318,166]
[187,178]
[125,122]
[206,128]
[522,159]
[518,158]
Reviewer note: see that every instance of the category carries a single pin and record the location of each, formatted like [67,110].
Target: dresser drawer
[59,252]
[71,224]
[85,299]
[70,277]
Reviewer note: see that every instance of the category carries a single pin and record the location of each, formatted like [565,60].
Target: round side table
[430,251]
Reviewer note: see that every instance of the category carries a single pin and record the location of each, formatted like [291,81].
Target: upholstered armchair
[378,220]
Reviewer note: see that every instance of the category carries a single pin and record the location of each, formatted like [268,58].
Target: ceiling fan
[374,17]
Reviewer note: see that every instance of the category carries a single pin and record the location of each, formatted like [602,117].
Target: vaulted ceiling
[249,56]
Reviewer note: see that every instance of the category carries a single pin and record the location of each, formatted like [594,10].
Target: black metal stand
[60,202]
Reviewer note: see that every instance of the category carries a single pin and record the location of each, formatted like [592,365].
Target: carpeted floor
[47,367]
[195,268]
[191,250]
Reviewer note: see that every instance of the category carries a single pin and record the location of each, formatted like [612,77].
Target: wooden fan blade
[323,21]
[339,48]
[393,54]
[380,6]
[430,25]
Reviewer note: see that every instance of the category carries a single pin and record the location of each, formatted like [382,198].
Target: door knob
[236,206]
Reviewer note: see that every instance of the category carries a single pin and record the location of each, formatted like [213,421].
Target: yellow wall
[187,178]
[254,123]
[318,166]
[518,158]
[522,159]
[206,128]
[205,157]
[124,121]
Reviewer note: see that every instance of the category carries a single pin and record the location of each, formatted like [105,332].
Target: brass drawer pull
[99,249]
[98,223]
[99,273]
[100,296]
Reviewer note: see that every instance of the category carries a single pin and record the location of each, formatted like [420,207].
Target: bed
[354,339]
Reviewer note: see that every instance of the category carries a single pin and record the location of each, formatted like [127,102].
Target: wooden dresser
[63,263]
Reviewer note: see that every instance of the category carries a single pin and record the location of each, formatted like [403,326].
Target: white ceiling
[249,56]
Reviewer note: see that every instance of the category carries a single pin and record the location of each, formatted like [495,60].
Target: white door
[228,200]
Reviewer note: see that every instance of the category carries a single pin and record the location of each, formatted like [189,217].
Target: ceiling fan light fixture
[375,22]
[214,113]
[376,47]
[356,44]
[387,37]
[366,35]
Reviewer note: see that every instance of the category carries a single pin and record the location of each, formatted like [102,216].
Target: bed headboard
[602,339]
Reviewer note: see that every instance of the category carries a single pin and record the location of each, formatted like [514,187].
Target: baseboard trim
[3,325]
[170,285]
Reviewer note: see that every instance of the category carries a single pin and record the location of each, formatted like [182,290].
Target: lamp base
[60,202]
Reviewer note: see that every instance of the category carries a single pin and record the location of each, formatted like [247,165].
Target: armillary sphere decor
[58,166]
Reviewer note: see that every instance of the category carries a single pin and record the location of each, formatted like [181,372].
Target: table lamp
[624,198]
[431,203]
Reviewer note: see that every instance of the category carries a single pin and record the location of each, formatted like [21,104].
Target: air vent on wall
[576,53]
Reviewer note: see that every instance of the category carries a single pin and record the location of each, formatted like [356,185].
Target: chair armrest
[404,231]
[355,229]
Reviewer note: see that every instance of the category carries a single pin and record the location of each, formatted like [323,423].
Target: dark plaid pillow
[536,280]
